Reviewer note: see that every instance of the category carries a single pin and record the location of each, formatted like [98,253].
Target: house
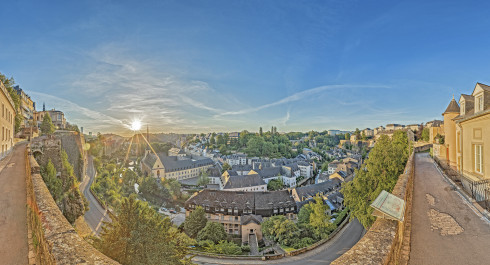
[341,175]
[242,169]
[236,159]
[467,134]
[242,212]
[324,176]
[7,121]
[26,107]
[305,194]
[305,169]
[176,152]
[368,132]
[332,166]
[174,167]
[57,117]
[394,127]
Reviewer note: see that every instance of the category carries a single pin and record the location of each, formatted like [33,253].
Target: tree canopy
[213,231]
[379,172]
[195,222]
[140,236]
[47,126]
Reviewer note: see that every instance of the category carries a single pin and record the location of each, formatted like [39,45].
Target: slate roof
[312,190]
[236,182]
[484,87]
[251,218]
[242,167]
[242,199]
[172,163]
[452,107]
[269,172]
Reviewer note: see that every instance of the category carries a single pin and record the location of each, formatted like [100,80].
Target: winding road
[324,254]
[97,214]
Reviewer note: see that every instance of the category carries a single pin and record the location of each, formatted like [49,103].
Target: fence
[477,189]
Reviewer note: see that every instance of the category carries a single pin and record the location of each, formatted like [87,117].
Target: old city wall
[72,143]
[55,240]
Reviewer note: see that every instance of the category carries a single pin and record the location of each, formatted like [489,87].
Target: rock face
[68,198]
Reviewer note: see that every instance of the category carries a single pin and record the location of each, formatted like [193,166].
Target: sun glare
[136,125]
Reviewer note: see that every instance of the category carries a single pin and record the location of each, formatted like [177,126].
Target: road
[96,215]
[445,228]
[13,215]
[324,254]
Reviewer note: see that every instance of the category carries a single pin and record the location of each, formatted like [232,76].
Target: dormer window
[479,103]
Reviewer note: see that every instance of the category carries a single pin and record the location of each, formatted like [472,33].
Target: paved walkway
[13,213]
[445,229]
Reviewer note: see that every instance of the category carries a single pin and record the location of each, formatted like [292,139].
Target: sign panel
[389,206]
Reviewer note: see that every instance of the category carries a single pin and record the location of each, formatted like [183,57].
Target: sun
[136,125]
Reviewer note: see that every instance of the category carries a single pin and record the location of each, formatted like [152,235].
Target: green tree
[140,236]
[224,247]
[280,229]
[203,179]
[54,184]
[379,172]
[347,136]
[195,222]
[213,231]
[47,126]
[226,167]
[304,214]
[425,134]
[260,131]
[319,219]
[275,184]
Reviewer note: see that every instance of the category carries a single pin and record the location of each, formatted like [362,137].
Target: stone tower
[451,112]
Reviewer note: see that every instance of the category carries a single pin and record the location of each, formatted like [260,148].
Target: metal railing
[477,189]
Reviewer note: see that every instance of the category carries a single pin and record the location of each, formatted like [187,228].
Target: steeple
[453,107]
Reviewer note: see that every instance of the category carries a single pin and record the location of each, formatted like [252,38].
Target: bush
[304,242]
[245,248]
[225,247]
[205,243]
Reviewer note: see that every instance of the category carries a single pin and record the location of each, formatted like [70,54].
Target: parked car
[172,211]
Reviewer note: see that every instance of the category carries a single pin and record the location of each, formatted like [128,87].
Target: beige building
[175,167]
[26,107]
[57,117]
[467,134]
[7,121]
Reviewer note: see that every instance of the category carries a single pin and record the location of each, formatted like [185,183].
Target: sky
[204,66]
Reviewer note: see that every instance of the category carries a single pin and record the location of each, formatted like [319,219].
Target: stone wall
[58,236]
[72,143]
[387,241]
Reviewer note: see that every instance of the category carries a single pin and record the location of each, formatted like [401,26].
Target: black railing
[477,189]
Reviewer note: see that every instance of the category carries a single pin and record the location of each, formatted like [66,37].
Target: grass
[287,249]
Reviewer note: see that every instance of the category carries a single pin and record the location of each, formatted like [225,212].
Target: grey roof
[232,173]
[269,172]
[312,190]
[452,107]
[484,87]
[242,199]
[173,163]
[236,182]
[242,167]
[251,218]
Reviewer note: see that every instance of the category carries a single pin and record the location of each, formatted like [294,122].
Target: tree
[281,230]
[226,167]
[47,126]
[220,140]
[54,184]
[203,179]
[140,236]
[260,131]
[275,184]
[224,247]
[425,134]
[319,219]
[304,214]
[347,136]
[379,172]
[213,231]
[195,222]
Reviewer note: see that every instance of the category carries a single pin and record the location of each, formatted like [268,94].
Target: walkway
[13,213]
[445,230]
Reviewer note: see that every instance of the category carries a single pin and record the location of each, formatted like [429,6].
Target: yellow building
[26,107]
[473,134]
[451,112]
[175,167]
[7,121]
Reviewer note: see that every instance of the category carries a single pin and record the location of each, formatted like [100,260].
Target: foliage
[213,231]
[281,230]
[304,214]
[203,179]
[425,134]
[47,126]
[224,247]
[303,242]
[140,236]
[379,172]
[275,184]
[340,218]
[54,184]
[226,167]
[319,219]
[195,222]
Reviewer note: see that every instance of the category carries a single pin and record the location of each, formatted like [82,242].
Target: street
[96,215]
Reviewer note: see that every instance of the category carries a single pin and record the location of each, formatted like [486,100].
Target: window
[478,158]
[462,108]
[479,103]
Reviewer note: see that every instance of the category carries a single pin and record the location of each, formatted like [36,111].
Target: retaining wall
[387,241]
[59,242]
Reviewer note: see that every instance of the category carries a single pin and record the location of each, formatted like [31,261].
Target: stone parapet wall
[64,244]
[386,240]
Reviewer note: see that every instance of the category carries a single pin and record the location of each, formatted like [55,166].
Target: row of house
[241,212]
[7,121]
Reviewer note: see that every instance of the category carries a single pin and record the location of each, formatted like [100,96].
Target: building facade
[57,117]
[7,121]
[175,167]
[26,107]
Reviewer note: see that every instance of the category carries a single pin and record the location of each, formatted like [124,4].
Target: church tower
[451,112]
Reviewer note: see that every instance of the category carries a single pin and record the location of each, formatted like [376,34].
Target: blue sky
[201,66]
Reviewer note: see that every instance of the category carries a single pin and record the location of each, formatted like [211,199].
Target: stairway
[254,245]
